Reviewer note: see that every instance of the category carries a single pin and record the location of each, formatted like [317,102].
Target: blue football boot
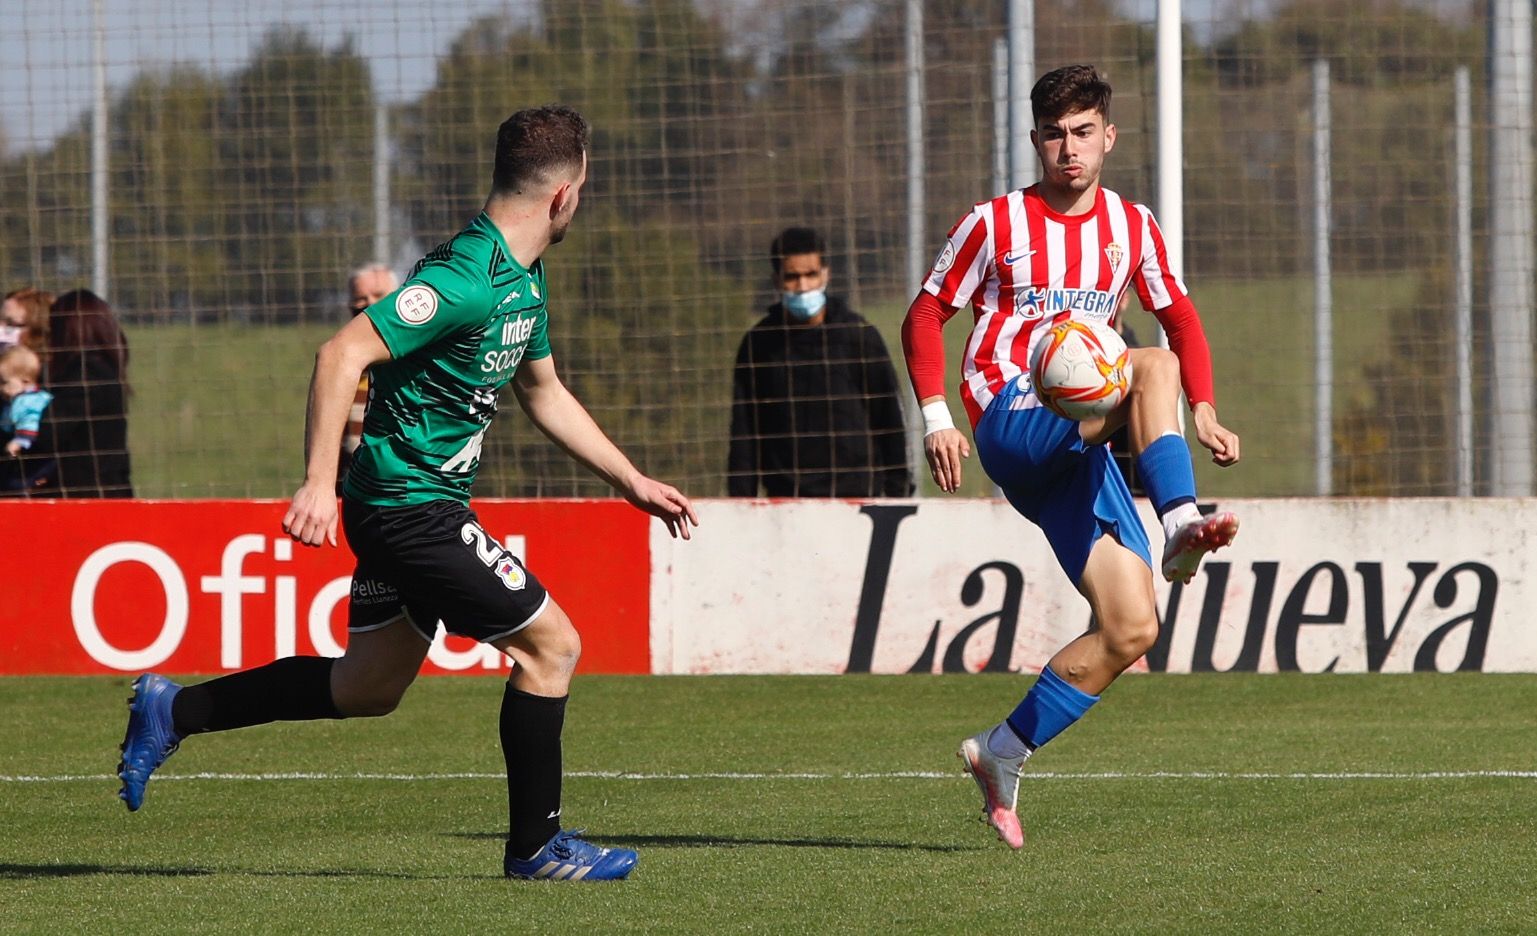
[151,738]
[567,858]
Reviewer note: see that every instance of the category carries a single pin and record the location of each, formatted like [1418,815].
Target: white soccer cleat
[998,779]
[1182,553]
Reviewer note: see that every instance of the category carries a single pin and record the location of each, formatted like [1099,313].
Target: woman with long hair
[87,372]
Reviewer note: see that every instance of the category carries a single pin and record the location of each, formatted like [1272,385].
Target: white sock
[1003,742]
[1178,517]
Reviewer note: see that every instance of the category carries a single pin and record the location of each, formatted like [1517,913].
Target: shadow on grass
[18,872]
[728,841]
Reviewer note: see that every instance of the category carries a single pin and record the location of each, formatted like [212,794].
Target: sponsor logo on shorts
[416,305]
[372,591]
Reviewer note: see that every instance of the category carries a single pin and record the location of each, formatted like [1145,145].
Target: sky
[46,45]
[46,48]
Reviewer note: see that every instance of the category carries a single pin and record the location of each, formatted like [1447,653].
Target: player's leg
[544,654]
[1079,499]
[533,713]
[384,652]
[533,716]
[369,680]
[484,592]
[1151,415]
[1119,587]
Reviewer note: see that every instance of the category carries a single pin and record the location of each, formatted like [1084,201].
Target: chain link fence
[253,159]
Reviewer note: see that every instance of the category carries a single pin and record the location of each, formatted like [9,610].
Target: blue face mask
[803,306]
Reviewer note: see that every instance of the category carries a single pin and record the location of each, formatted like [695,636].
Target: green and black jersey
[457,330]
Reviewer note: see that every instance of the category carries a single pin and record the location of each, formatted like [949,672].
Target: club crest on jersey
[416,305]
[511,574]
[946,258]
[1114,253]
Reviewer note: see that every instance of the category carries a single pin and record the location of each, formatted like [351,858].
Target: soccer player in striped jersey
[1067,248]
[471,318]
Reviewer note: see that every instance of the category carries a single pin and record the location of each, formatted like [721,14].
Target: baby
[23,413]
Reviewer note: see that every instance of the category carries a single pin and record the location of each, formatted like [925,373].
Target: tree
[295,143]
[167,228]
[634,311]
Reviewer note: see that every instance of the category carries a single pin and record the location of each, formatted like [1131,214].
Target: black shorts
[434,562]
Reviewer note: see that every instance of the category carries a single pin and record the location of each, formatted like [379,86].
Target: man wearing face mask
[815,408]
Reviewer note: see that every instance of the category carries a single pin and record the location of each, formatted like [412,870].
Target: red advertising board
[216,586]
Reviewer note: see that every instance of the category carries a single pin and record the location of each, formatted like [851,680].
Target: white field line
[886,775]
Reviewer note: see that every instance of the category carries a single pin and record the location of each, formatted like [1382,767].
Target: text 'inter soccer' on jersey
[1018,263]
[457,329]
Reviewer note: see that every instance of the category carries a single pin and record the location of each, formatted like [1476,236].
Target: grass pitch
[1217,803]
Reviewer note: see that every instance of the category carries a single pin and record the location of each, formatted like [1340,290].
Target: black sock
[531,744]
[290,689]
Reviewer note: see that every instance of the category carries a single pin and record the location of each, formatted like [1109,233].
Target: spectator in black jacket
[87,362]
[815,408]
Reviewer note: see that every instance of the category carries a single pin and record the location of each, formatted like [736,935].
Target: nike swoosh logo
[1012,259]
[553,815]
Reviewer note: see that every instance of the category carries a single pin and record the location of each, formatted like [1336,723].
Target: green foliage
[636,330]
[297,141]
[1127,837]
[1392,436]
[652,78]
[246,197]
[1374,43]
[169,220]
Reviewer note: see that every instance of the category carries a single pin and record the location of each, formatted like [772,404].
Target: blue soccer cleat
[567,858]
[151,738]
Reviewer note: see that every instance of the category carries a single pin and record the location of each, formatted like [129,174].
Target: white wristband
[936,416]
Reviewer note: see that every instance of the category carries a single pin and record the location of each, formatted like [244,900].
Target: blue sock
[1048,708]
[1167,472]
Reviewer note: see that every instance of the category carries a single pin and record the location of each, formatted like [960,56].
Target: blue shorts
[1074,493]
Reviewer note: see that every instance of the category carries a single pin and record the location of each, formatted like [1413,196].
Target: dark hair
[796,240]
[1070,89]
[533,144]
[83,335]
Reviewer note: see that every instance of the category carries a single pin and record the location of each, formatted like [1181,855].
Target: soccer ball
[1081,370]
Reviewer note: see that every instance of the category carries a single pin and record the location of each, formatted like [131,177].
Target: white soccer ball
[1081,370]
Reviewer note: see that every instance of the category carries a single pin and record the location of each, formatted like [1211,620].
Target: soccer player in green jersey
[471,317]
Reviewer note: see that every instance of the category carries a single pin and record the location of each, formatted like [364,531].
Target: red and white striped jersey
[1019,263]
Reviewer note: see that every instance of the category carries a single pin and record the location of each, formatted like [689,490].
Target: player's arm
[311,518]
[962,266]
[923,345]
[1187,339]
[559,415]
